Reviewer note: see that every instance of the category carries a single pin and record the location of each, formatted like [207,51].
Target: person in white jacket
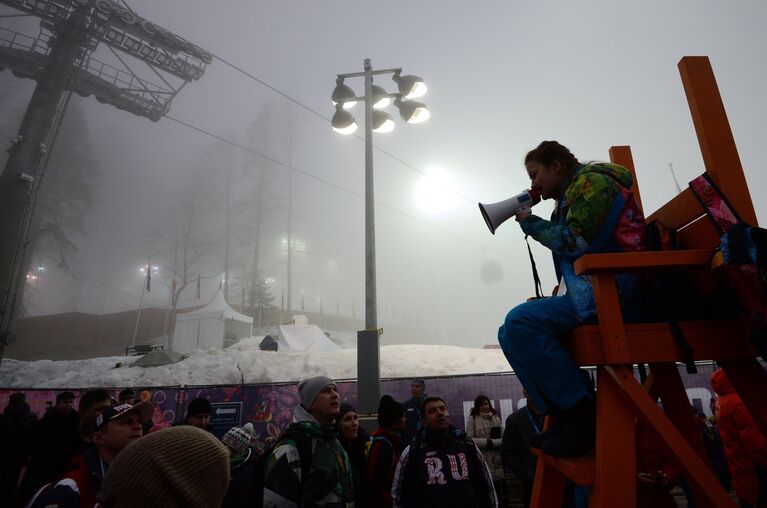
[485,428]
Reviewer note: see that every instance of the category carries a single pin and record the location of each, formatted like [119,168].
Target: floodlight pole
[371,309]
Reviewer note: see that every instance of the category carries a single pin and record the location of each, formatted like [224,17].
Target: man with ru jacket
[442,467]
[309,467]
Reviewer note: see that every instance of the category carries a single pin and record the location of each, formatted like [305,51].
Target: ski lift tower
[60,59]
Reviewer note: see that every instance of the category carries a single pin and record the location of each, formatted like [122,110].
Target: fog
[502,77]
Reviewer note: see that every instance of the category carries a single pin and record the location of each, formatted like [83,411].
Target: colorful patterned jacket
[596,213]
[328,480]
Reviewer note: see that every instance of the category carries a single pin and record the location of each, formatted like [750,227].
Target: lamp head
[382,121]
[380,100]
[412,111]
[410,86]
[341,95]
[343,122]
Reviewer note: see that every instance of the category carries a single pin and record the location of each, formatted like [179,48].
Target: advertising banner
[269,407]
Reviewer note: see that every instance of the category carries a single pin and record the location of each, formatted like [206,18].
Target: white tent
[304,338]
[210,326]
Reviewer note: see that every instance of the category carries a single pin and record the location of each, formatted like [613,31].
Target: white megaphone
[496,214]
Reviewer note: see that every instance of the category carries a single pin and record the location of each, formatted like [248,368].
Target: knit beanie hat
[389,411]
[309,388]
[237,438]
[180,467]
[198,406]
[345,408]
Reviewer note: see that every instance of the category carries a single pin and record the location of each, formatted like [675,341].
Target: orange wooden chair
[614,346]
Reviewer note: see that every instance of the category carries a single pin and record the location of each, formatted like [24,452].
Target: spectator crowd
[109,453]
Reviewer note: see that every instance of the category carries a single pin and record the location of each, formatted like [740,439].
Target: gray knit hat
[309,388]
[180,467]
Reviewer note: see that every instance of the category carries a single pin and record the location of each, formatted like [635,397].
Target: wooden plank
[680,211]
[653,342]
[694,469]
[580,470]
[676,405]
[615,477]
[622,155]
[549,487]
[699,234]
[717,144]
[611,326]
[643,261]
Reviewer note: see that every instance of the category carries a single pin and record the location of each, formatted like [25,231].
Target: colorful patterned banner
[270,407]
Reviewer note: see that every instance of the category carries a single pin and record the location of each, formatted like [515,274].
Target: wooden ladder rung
[580,470]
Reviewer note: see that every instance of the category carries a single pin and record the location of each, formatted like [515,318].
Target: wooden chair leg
[696,472]
[549,487]
[676,405]
[615,480]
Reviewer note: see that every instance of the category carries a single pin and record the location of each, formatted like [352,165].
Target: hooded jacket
[596,213]
[442,470]
[744,445]
[328,481]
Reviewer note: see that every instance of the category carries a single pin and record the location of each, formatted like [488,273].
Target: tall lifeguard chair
[615,347]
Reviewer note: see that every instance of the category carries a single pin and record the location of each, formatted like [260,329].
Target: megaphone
[496,214]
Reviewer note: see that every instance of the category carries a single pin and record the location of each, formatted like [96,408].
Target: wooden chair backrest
[720,156]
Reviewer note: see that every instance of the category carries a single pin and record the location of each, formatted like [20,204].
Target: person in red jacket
[111,431]
[744,444]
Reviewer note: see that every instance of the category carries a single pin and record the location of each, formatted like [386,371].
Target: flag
[198,286]
[148,278]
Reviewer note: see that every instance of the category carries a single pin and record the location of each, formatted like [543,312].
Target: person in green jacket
[308,467]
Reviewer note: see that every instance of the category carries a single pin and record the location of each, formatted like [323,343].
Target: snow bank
[245,363]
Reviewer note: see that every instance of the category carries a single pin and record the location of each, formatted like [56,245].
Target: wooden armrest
[643,261]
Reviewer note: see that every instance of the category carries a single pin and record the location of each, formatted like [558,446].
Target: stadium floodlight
[343,122]
[381,98]
[341,95]
[382,121]
[412,111]
[410,87]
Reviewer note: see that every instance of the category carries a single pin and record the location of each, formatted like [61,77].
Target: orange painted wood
[680,211]
[676,405]
[717,144]
[699,234]
[615,475]
[694,469]
[611,326]
[579,470]
[643,261]
[653,342]
[749,379]
[548,487]
[622,155]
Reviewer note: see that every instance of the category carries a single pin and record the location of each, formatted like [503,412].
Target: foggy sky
[502,77]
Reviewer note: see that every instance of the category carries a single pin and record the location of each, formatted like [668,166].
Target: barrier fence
[270,406]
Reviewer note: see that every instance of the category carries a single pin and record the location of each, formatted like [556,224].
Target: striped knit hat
[173,468]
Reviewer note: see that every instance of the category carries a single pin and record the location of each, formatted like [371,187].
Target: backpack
[742,255]
[304,447]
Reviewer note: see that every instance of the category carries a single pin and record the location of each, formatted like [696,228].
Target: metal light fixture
[341,94]
[382,121]
[380,97]
[410,86]
[343,122]
[412,111]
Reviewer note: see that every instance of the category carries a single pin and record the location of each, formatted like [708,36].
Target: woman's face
[350,424]
[548,180]
[484,406]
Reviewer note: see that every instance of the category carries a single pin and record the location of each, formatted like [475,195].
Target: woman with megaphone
[595,212]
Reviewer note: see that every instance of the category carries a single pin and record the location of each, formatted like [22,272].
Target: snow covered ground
[245,363]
